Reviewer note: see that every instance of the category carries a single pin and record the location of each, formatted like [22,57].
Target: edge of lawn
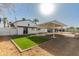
[21,50]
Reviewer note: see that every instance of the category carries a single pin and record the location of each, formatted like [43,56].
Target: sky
[63,12]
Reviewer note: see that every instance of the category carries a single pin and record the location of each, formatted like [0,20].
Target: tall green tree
[5,21]
[35,20]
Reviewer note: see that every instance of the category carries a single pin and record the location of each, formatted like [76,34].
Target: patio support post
[61,30]
[54,32]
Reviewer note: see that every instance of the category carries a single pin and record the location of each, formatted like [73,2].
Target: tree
[0,20]
[35,20]
[23,18]
[10,9]
[11,24]
[71,29]
[77,29]
[5,21]
[3,8]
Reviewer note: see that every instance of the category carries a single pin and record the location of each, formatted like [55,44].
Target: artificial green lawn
[27,41]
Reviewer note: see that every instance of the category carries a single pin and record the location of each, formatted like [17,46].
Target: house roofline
[22,20]
[27,26]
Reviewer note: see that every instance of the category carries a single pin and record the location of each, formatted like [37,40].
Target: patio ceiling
[52,24]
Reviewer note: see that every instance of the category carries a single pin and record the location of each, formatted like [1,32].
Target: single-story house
[21,27]
[27,27]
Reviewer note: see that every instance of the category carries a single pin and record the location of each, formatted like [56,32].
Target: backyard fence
[8,31]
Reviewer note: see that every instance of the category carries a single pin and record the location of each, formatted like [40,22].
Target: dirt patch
[8,49]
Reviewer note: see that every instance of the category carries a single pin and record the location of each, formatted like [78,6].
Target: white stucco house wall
[27,27]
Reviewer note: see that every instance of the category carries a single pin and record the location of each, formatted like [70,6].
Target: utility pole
[15,18]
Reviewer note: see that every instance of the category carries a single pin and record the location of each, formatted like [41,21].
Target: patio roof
[52,24]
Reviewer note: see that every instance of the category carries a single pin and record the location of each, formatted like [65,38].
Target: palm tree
[5,21]
[35,20]
[3,8]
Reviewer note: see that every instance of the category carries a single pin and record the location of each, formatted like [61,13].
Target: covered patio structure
[53,25]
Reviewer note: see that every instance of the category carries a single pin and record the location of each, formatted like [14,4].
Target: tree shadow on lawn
[29,40]
[34,38]
[62,46]
[19,36]
[38,39]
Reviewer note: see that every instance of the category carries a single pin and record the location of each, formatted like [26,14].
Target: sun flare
[46,9]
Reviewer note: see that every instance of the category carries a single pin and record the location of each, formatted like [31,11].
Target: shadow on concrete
[62,46]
